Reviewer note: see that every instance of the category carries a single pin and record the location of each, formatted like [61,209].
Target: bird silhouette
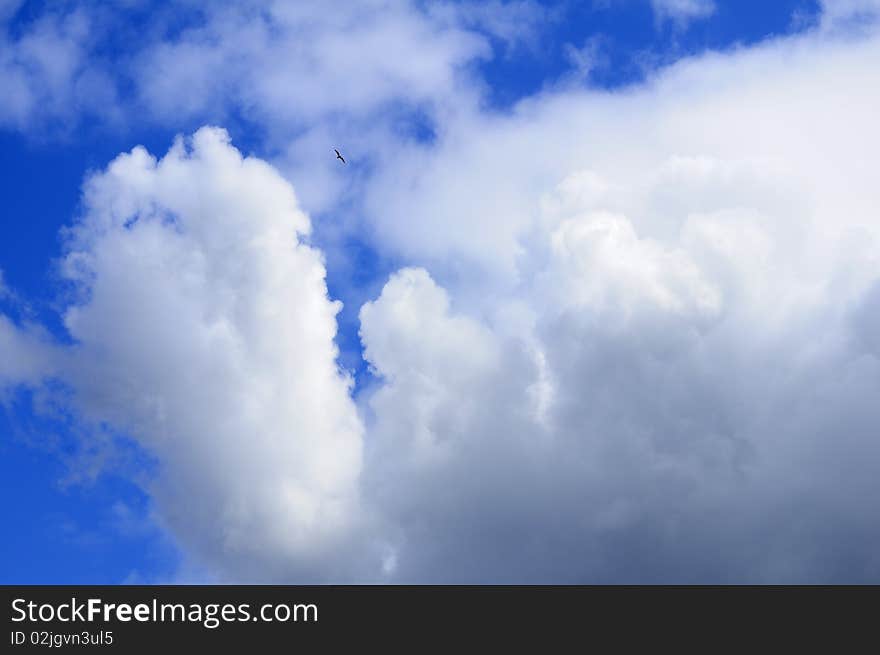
[338,156]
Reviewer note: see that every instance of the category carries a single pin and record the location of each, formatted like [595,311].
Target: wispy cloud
[682,12]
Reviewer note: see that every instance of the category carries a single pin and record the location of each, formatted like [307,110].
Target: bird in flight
[338,156]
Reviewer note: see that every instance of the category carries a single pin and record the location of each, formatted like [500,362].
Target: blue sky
[78,514]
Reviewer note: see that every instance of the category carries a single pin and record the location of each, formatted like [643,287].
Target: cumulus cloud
[637,341]
[453,419]
[202,329]
[668,294]
[694,139]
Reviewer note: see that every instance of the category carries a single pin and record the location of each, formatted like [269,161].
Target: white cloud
[203,330]
[682,12]
[516,23]
[585,59]
[355,78]
[28,355]
[46,72]
[637,342]
[423,353]
[667,296]
[598,260]
[290,64]
[693,140]
[834,11]
[292,68]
